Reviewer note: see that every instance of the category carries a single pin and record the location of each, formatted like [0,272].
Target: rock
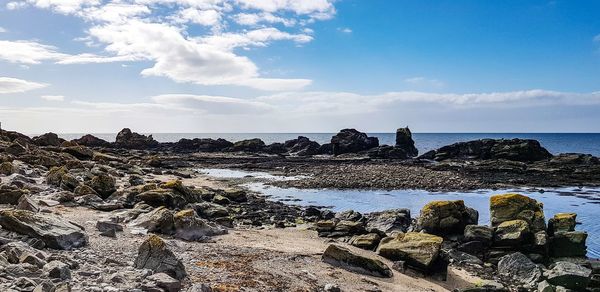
[45,286]
[569,275]
[512,233]
[201,145]
[48,139]
[91,141]
[235,195]
[109,233]
[480,233]
[166,282]
[519,267]
[366,241]
[7,168]
[104,184]
[11,194]
[346,259]
[210,210]
[80,152]
[419,250]
[153,254]
[55,175]
[136,180]
[387,152]
[105,225]
[513,149]
[250,145]
[562,222]
[190,227]
[405,142]
[345,228]
[509,207]
[58,270]
[53,231]
[162,197]
[158,220]
[332,288]
[275,148]
[26,203]
[302,146]
[446,217]
[130,140]
[568,244]
[32,260]
[352,141]
[200,288]
[544,286]
[83,190]
[349,215]
[389,220]
[460,257]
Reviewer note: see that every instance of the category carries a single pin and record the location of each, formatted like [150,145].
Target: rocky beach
[135,214]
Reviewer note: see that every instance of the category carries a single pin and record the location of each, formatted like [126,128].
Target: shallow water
[583,201]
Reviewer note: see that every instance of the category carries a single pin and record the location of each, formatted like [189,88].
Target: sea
[588,143]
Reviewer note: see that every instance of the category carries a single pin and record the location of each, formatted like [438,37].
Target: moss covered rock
[562,222]
[104,184]
[446,217]
[188,226]
[417,249]
[568,244]
[509,207]
[346,259]
[7,168]
[154,254]
[512,233]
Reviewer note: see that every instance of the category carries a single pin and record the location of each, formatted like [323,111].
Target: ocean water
[554,142]
[583,201]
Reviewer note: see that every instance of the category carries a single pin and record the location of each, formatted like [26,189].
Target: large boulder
[55,232]
[569,275]
[159,220]
[201,145]
[389,220]
[512,233]
[104,184]
[154,254]
[11,194]
[568,244]
[302,146]
[446,217]
[352,141]
[346,259]
[250,145]
[512,149]
[387,152]
[479,233]
[405,142]
[562,222]
[519,267]
[48,139]
[91,141]
[131,140]
[190,227]
[509,207]
[419,250]
[80,152]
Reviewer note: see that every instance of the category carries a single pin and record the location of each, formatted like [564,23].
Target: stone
[201,145]
[91,141]
[104,184]
[387,152]
[83,190]
[45,286]
[158,220]
[569,275]
[154,254]
[131,140]
[544,286]
[105,225]
[58,270]
[405,142]
[419,250]
[11,194]
[562,222]
[351,261]
[446,217]
[509,207]
[80,152]
[7,168]
[136,180]
[352,141]
[460,257]
[53,231]
[166,282]
[345,227]
[512,233]
[26,203]
[479,233]
[332,288]
[48,139]
[200,288]
[510,149]
[568,244]
[301,146]
[32,260]
[189,226]
[210,210]
[235,195]
[366,241]
[519,267]
[250,145]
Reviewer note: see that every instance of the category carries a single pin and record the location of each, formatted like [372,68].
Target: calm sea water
[583,201]
[554,142]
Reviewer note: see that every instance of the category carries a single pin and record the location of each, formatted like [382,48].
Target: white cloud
[320,9]
[253,19]
[61,6]
[53,97]
[14,85]
[14,5]
[422,81]
[2,29]
[345,30]
[28,52]
[197,16]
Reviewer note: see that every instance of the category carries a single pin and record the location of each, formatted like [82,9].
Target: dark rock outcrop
[405,142]
[250,145]
[91,141]
[201,145]
[48,139]
[352,141]
[345,258]
[131,140]
[523,150]
[302,146]
[153,254]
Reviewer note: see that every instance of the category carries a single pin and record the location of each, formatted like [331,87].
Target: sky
[184,66]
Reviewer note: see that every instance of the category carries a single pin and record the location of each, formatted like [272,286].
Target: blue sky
[299,66]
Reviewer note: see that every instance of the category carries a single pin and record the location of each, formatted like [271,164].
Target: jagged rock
[188,226]
[389,220]
[250,145]
[326,148]
[153,254]
[479,233]
[136,180]
[446,217]
[7,168]
[80,152]
[352,141]
[275,148]
[405,142]
[58,270]
[460,257]
[569,275]
[15,250]
[417,249]
[11,194]
[512,233]
[235,195]
[349,215]
[513,149]
[544,286]
[366,241]
[159,220]
[346,259]
[48,139]
[166,282]
[45,286]
[201,145]
[16,149]
[53,231]
[131,140]
[55,175]
[104,184]
[83,190]
[519,267]
[91,141]
[562,222]
[509,207]
[568,244]
[161,197]
[32,260]
[210,210]
[105,225]
[387,152]
[26,203]
[302,146]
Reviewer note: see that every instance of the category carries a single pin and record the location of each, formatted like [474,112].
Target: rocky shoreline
[133,215]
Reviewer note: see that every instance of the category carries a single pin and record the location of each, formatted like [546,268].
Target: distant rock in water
[132,140]
[352,141]
[48,139]
[405,142]
[91,141]
[523,150]
[302,146]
